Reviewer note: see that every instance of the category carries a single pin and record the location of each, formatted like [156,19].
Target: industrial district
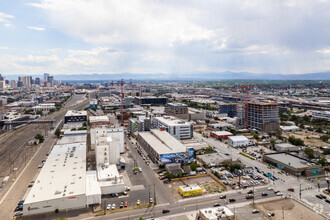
[130,149]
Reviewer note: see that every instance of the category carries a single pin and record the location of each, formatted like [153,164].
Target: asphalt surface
[191,204]
[163,193]
[15,191]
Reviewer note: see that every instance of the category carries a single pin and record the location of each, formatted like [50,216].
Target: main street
[185,205]
[15,191]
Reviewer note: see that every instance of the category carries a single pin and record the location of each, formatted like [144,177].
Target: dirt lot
[313,138]
[207,183]
[292,210]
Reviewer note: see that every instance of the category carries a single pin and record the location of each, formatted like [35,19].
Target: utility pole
[300,191]
[253,196]
[154,195]
[283,212]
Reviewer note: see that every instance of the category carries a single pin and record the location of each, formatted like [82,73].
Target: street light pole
[253,196]
[300,191]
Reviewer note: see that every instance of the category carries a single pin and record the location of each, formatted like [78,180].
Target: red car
[126,204]
[162,177]
[291,189]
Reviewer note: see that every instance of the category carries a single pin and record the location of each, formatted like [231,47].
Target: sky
[154,36]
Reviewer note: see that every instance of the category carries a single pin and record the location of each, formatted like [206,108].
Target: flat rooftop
[162,142]
[172,121]
[102,118]
[290,160]
[238,138]
[75,113]
[63,174]
[222,133]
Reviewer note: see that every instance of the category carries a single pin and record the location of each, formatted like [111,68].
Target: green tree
[272,142]
[207,121]
[52,110]
[58,132]
[235,166]
[319,130]
[209,149]
[322,161]
[118,117]
[39,113]
[309,152]
[193,166]
[40,137]
[326,151]
[255,136]
[324,138]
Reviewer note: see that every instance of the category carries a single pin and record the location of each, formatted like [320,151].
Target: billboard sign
[179,157]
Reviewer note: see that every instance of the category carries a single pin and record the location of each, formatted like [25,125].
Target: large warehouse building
[294,165]
[163,148]
[51,190]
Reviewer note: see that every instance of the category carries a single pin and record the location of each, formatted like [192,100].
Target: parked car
[113,206]
[254,211]
[21,202]
[121,204]
[223,196]
[138,202]
[30,185]
[270,189]
[18,213]
[291,189]
[318,196]
[165,211]
[126,204]
[127,188]
[323,196]
[271,214]
[108,206]
[327,200]
[19,208]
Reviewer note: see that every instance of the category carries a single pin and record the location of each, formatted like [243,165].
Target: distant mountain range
[188,76]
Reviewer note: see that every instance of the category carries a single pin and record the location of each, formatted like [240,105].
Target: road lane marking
[201,203]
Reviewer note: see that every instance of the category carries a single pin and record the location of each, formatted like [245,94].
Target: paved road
[285,182]
[14,192]
[163,193]
[191,204]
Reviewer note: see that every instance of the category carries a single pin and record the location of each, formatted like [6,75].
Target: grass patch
[246,156]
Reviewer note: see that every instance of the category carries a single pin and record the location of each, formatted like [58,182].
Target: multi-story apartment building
[263,116]
[177,109]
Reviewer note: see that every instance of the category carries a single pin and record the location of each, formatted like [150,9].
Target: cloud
[36,28]
[5,19]
[215,35]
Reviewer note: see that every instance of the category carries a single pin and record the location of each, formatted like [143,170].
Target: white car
[270,188]
[109,207]
[113,206]
[127,188]
[279,194]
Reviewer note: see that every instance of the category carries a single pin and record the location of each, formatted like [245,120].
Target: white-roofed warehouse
[61,183]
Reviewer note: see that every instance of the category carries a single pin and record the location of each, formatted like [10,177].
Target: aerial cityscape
[183,110]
